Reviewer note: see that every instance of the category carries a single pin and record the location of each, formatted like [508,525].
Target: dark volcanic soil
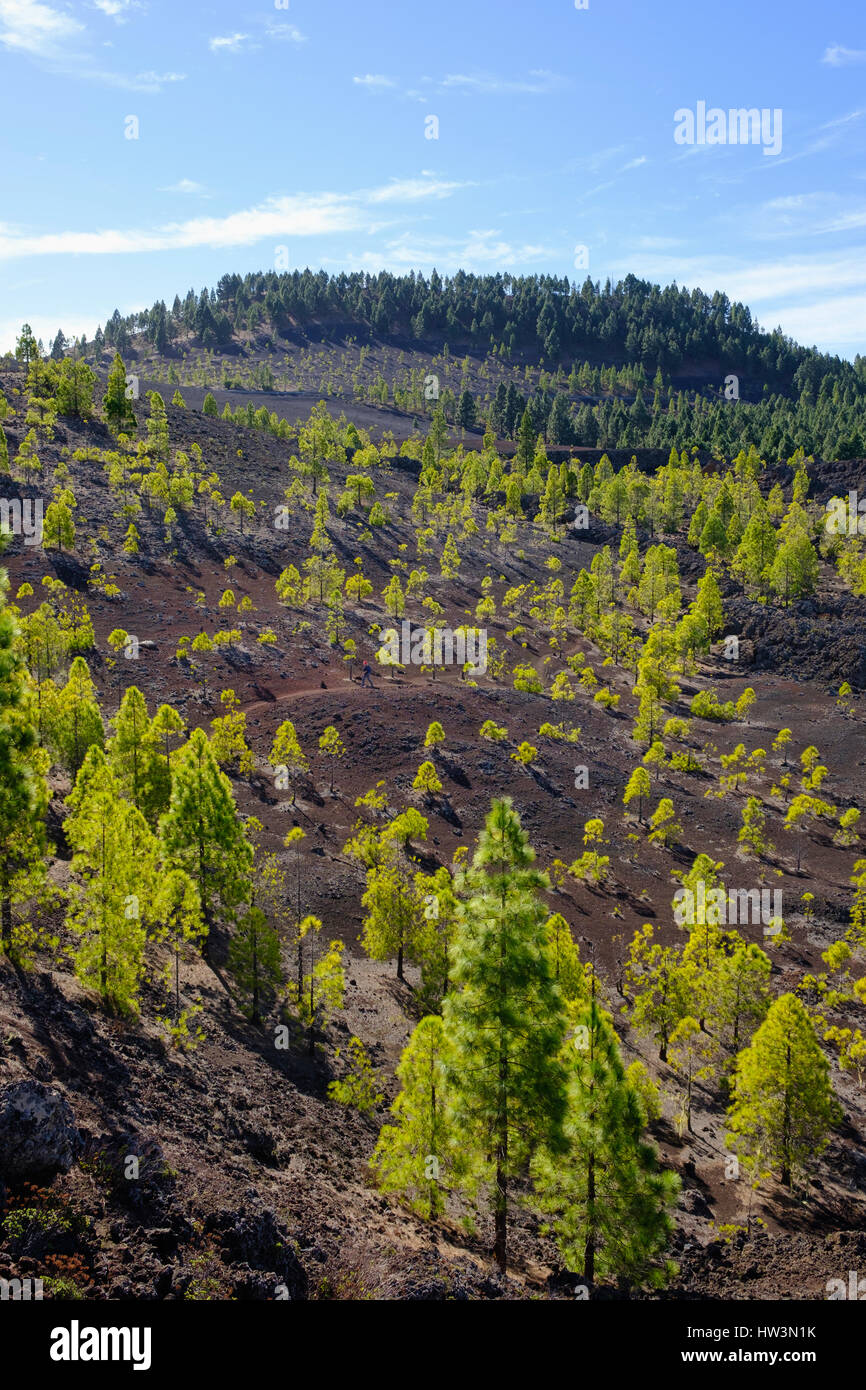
[250,1177]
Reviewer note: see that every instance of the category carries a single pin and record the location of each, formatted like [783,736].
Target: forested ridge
[621,365]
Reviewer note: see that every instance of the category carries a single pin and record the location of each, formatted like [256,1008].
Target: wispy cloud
[838,320]
[816,299]
[183,186]
[478,251]
[229,43]
[374,82]
[59,42]
[838,57]
[283,32]
[616,175]
[298,215]
[657,243]
[810,214]
[758,283]
[538,83]
[844,120]
[410,190]
[116,9]
[36,29]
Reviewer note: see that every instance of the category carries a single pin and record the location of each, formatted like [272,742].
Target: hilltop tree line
[549,316]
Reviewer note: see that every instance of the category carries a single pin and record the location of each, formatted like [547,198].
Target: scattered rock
[38,1137]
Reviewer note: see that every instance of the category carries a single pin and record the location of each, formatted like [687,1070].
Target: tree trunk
[6,918]
[500,1246]
[589,1248]
[786,1122]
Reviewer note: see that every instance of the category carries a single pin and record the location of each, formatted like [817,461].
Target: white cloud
[844,120]
[477,251]
[228,43]
[623,169]
[298,215]
[59,43]
[539,82]
[284,33]
[145,81]
[32,27]
[374,82]
[837,56]
[183,186]
[755,284]
[246,43]
[410,190]
[658,243]
[816,299]
[833,324]
[808,215]
[116,9]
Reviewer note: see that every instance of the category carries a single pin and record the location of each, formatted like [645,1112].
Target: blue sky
[302,126]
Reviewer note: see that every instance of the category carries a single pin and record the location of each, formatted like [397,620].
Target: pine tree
[135,758]
[74,721]
[708,602]
[177,914]
[794,571]
[115,403]
[333,747]
[609,1199]
[659,987]
[322,987]
[434,736]
[565,958]
[427,780]
[525,442]
[504,1014]
[254,960]
[58,528]
[23,789]
[691,1055]
[286,753]
[450,562]
[114,857]
[166,725]
[201,832]
[757,549]
[416,1155]
[391,907]
[157,428]
[783,1102]
[639,786]
[738,994]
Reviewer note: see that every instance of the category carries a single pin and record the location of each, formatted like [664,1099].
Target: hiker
[366,678]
